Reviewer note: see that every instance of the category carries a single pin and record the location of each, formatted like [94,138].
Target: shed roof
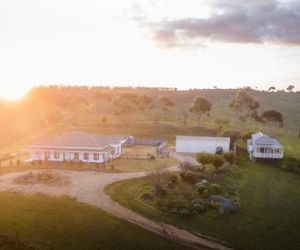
[81,139]
[203,138]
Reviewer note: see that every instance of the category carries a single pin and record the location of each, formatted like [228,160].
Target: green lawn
[132,165]
[119,165]
[62,223]
[270,215]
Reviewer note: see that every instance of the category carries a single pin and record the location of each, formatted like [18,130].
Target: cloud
[258,21]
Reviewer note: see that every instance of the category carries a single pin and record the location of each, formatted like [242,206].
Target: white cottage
[79,146]
[202,144]
[261,146]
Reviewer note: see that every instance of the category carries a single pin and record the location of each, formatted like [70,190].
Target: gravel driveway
[88,187]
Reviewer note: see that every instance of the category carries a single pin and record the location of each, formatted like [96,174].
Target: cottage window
[260,150]
[86,156]
[76,156]
[96,156]
[277,151]
[56,155]
[47,155]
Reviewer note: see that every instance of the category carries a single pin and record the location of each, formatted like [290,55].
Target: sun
[12,93]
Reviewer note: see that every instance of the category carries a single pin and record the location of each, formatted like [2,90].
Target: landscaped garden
[269,217]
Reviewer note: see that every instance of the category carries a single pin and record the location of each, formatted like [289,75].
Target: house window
[269,150]
[76,156]
[277,151]
[260,150]
[56,155]
[86,156]
[96,156]
[47,155]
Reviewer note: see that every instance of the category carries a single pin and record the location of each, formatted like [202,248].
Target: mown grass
[62,223]
[133,165]
[270,215]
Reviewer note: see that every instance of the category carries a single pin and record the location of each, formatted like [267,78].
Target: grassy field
[132,165]
[139,149]
[270,215]
[61,223]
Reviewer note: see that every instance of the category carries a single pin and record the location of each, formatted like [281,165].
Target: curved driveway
[88,187]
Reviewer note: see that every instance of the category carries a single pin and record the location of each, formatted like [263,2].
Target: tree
[145,102]
[200,107]
[185,118]
[271,89]
[165,103]
[245,105]
[290,88]
[273,116]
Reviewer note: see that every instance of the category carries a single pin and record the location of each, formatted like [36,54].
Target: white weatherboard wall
[199,144]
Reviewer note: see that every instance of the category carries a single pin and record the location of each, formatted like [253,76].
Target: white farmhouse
[202,144]
[261,146]
[79,146]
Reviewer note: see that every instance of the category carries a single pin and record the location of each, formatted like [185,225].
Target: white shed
[202,144]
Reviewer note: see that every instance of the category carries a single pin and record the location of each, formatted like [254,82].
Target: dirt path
[88,187]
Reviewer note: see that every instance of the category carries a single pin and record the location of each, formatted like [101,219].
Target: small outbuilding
[202,144]
[262,146]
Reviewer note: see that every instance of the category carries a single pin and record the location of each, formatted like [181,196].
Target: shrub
[152,157]
[186,165]
[174,178]
[199,205]
[147,197]
[160,190]
[218,161]
[177,206]
[229,157]
[213,189]
[189,176]
[205,158]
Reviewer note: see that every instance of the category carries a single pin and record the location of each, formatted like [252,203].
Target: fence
[146,142]
[144,156]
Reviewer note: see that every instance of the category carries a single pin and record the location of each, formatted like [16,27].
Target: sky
[172,43]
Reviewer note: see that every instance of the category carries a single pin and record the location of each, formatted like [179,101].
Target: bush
[160,190]
[186,165]
[189,176]
[213,189]
[218,161]
[147,197]
[174,178]
[205,158]
[151,158]
[177,206]
[229,157]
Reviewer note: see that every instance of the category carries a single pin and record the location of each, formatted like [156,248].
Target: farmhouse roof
[81,139]
[203,138]
[263,139]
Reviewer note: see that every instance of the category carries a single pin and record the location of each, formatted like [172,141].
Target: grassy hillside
[52,110]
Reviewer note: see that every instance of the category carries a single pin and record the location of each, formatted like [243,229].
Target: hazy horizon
[190,44]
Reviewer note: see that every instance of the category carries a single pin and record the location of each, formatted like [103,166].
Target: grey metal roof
[263,139]
[202,138]
[81,139]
